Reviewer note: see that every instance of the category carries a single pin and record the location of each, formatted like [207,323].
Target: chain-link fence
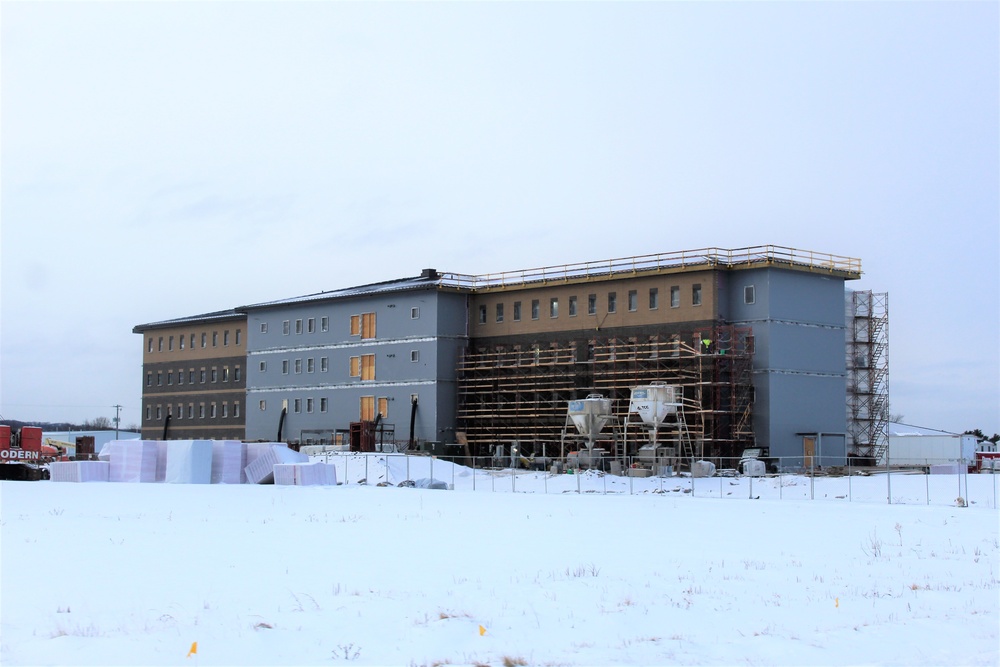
[927,482]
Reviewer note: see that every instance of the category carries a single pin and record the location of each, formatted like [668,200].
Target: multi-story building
[321,362]
[754,338]
[194,377]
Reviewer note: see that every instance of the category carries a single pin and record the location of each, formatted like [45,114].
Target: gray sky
[165,159]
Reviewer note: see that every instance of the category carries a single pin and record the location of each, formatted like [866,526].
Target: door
[808,451]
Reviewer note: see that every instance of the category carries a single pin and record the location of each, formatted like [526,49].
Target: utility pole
[118,409]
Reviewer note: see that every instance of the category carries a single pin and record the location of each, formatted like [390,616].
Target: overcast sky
[166,159]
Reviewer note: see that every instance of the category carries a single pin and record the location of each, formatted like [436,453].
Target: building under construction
[751,340]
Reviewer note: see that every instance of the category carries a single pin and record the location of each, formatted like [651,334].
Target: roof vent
[429,274]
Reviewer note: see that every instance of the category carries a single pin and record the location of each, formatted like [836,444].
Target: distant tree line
[982,436]
[96,424]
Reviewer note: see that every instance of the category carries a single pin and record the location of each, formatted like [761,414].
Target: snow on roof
[398,285]
[896,430]
[204,317]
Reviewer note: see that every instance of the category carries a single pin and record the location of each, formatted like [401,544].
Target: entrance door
[808,450]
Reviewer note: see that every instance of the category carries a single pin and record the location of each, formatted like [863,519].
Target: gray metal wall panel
[806,404]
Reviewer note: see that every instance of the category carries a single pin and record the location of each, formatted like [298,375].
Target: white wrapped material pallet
[189,462]
[79,471]
[161,460]
[133,461]
[261,470]
[305,474]
[254,452]
[229,458]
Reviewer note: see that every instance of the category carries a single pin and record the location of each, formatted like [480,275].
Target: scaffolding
[867,374]
[520,393]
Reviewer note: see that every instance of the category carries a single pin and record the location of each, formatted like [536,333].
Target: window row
[193,376]
[366,409]
[185,340]
[572,304]
[199,411]
[361,325]
[361,366]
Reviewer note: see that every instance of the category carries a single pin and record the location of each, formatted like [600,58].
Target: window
[367,408]
[201,411]
[192,341]
[180,411]
[612,302]
[170,344]
[309,405]
[263,366]
[633,300]
[225,338]
[675,297]
[368,367]
[534,309]
[324,324]
[159,378]
[284,366]
[368,325]
[190,410]
[298,326]
[170,377]
[310,365]
[355,370]
[204,339]
[215,339]
[654,298]
[215,375]
[322,405]
[149,414]
[159,344]
[311,325]
[159,412]
[499,312]
[572,306]
[554,307]
[298,366]
[191,376]
[262,405]
[225,409]
[297,405]
[696,294]
[237,336]
[749,294]
[383,406]
[324,364]
[149,379]
[591,304]
[414,355]
[517,311]
[236,410]
[363,325]
[263,327]
[180,341]
[150,345]
[211,411]
[225,373]
[414,313]
[180,377]
[482,313]
[286,327]
[237,374]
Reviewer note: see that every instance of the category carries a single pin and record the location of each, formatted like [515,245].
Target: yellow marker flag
[194,649]
[836,602]
[482,631]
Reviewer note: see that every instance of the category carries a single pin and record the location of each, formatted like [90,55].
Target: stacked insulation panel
[229,458]
[189,462]
[261,469]
[133,461]
[305,474]
[79,471]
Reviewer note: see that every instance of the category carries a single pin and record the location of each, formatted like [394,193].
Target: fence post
[927,486]
[849,476]
[781,480]
[751,487]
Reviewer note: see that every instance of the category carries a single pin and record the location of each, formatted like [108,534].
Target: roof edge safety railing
[766,254]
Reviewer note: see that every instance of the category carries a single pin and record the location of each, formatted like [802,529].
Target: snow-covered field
[641,572]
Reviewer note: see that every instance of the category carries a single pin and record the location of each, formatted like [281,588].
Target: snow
[502,570]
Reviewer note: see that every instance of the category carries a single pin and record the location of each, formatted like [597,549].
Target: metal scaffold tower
[867,373]
[521,393]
